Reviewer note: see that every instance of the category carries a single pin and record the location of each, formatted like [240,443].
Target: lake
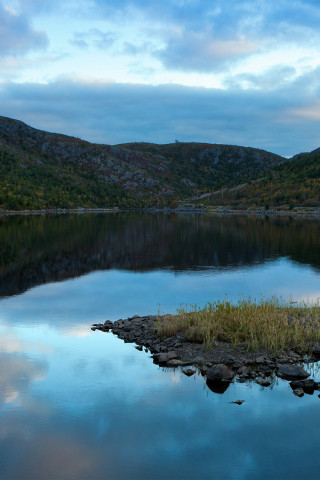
[77,404]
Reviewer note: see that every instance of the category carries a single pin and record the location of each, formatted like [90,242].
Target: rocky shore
[220,364]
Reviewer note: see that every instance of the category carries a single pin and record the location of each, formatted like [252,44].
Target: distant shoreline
[298,212]
[59,211]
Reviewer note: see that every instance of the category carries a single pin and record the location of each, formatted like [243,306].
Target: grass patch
[273,325]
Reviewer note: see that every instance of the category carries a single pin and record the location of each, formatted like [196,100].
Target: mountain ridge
[40,169]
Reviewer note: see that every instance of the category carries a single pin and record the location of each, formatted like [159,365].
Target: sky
[240,72]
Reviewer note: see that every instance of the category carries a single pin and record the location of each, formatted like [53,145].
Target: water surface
[77,404]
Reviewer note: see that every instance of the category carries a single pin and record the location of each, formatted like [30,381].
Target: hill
[47,170]
[294,183]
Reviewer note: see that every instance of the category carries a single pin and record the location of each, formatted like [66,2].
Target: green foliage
[294,183]
[34,182]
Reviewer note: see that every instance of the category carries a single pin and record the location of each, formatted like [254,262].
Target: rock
[203,370]
[228,359]
[93,329]
[308,386]
[260,359]
[298,392]
[237,365]
[199,360]
[295,356]
[263,382]
[175,362]
[282,361]
[265,370]
[164,357]
[188,371]
[316,351]
[296,384]
[244,371]
[220,373]
[291,372]
[139,347]
[238,402]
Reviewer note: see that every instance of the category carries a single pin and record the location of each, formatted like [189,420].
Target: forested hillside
[40,170]
[292,183]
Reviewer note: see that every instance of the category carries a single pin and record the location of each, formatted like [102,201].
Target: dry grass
[273,325]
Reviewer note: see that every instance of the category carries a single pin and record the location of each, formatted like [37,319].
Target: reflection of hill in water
[36,250]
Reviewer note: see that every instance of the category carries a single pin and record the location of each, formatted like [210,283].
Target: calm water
[77,404]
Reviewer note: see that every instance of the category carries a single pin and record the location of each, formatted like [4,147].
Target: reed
[273,325]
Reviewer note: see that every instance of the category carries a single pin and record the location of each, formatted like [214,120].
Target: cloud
[17,373]
[98,435]
[206,36]
[17,35]
[117,113]
[273,78]
[78,40]
[260,16]
[309,112]
[93,37]
[201,52]
[156,41]
[11,343]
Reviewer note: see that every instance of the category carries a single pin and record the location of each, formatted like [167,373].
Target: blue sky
[240,71]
